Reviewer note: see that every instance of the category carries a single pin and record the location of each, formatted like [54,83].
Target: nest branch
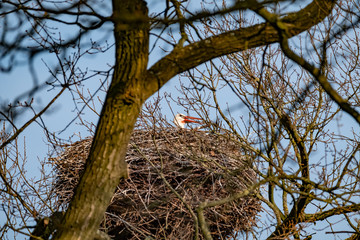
[172,172]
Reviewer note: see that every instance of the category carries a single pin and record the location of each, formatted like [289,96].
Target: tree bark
[105,165]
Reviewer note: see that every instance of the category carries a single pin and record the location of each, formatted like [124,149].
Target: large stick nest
[199,166]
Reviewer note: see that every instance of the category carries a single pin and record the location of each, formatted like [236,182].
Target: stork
[180,120]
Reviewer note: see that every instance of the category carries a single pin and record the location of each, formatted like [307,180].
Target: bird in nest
[181,119]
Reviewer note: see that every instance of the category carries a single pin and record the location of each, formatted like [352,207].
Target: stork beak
[188,119]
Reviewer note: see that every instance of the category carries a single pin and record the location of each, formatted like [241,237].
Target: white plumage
[181,119]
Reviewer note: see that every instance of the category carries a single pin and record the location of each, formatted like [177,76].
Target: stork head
[181,119]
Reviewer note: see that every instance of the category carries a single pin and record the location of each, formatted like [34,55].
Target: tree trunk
[105,165]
